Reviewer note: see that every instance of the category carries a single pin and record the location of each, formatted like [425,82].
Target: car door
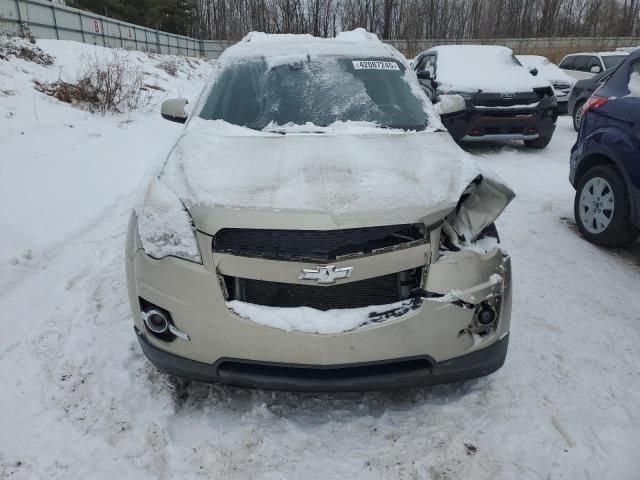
[428,63]
[633,101]
[624,103]
[620,116]
[566,65]
[581,67]
[595,66]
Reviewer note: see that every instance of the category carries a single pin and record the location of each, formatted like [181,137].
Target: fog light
[486,316]
[156,321]
[159,322]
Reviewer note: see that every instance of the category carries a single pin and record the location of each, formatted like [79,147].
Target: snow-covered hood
[509,79]
[491,69]
[229,176]
[546,70]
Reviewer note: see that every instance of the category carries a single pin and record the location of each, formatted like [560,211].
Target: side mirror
[449,104]
[424,75]
[173,110]
[596,69]
[533,71]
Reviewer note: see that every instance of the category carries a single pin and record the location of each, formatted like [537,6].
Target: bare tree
[415,19]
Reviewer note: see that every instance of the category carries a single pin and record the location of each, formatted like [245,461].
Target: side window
[567,63]
[430,65]
[420,65]
[581,63]
[417,65]
[594,62]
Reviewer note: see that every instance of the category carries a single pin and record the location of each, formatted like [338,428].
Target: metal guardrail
[46,19]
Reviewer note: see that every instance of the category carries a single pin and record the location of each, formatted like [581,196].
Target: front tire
[540,142]
[578,112]
[602,209]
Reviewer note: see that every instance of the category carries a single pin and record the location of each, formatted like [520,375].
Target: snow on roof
[354,43]
[533,59]
[489,68]
[607,54]
[602,54]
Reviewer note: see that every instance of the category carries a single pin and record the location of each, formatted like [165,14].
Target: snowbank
[60,165]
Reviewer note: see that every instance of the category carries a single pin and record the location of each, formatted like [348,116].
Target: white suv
[585,65]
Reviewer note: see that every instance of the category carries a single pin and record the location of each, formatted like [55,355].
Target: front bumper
[563,105]
[437,331]
[389,374]
[506,123]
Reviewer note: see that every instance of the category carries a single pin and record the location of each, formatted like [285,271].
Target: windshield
[320,90]
[611,61]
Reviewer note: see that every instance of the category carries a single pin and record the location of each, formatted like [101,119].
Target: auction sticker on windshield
[374,65]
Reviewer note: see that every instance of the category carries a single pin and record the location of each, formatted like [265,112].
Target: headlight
[164,225]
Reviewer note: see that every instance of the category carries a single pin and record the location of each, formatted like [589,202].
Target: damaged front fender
[480,205]
[470,280]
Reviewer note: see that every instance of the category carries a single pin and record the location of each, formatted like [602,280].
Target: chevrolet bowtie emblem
[326,275]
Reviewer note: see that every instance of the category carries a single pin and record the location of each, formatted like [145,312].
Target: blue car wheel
[602,208]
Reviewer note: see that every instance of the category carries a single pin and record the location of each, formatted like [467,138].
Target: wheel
[601,208]
[539,142]
[577,116]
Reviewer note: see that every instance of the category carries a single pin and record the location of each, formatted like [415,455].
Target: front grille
[497,100]
[364,293]
[507,113]
[316,245]
[503,131]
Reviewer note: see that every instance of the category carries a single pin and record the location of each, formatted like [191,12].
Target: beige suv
[316,228]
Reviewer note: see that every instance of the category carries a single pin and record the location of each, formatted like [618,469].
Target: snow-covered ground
[78,400]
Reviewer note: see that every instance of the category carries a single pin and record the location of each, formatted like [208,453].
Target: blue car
[605,161]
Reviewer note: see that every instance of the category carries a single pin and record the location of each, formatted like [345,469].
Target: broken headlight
[165,226]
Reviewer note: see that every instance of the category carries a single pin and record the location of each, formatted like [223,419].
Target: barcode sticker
[374,65]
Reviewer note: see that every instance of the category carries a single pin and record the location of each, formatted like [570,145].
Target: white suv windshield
[320,90]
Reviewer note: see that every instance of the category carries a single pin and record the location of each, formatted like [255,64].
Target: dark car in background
[504,101]
[605,161]
[581,92]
